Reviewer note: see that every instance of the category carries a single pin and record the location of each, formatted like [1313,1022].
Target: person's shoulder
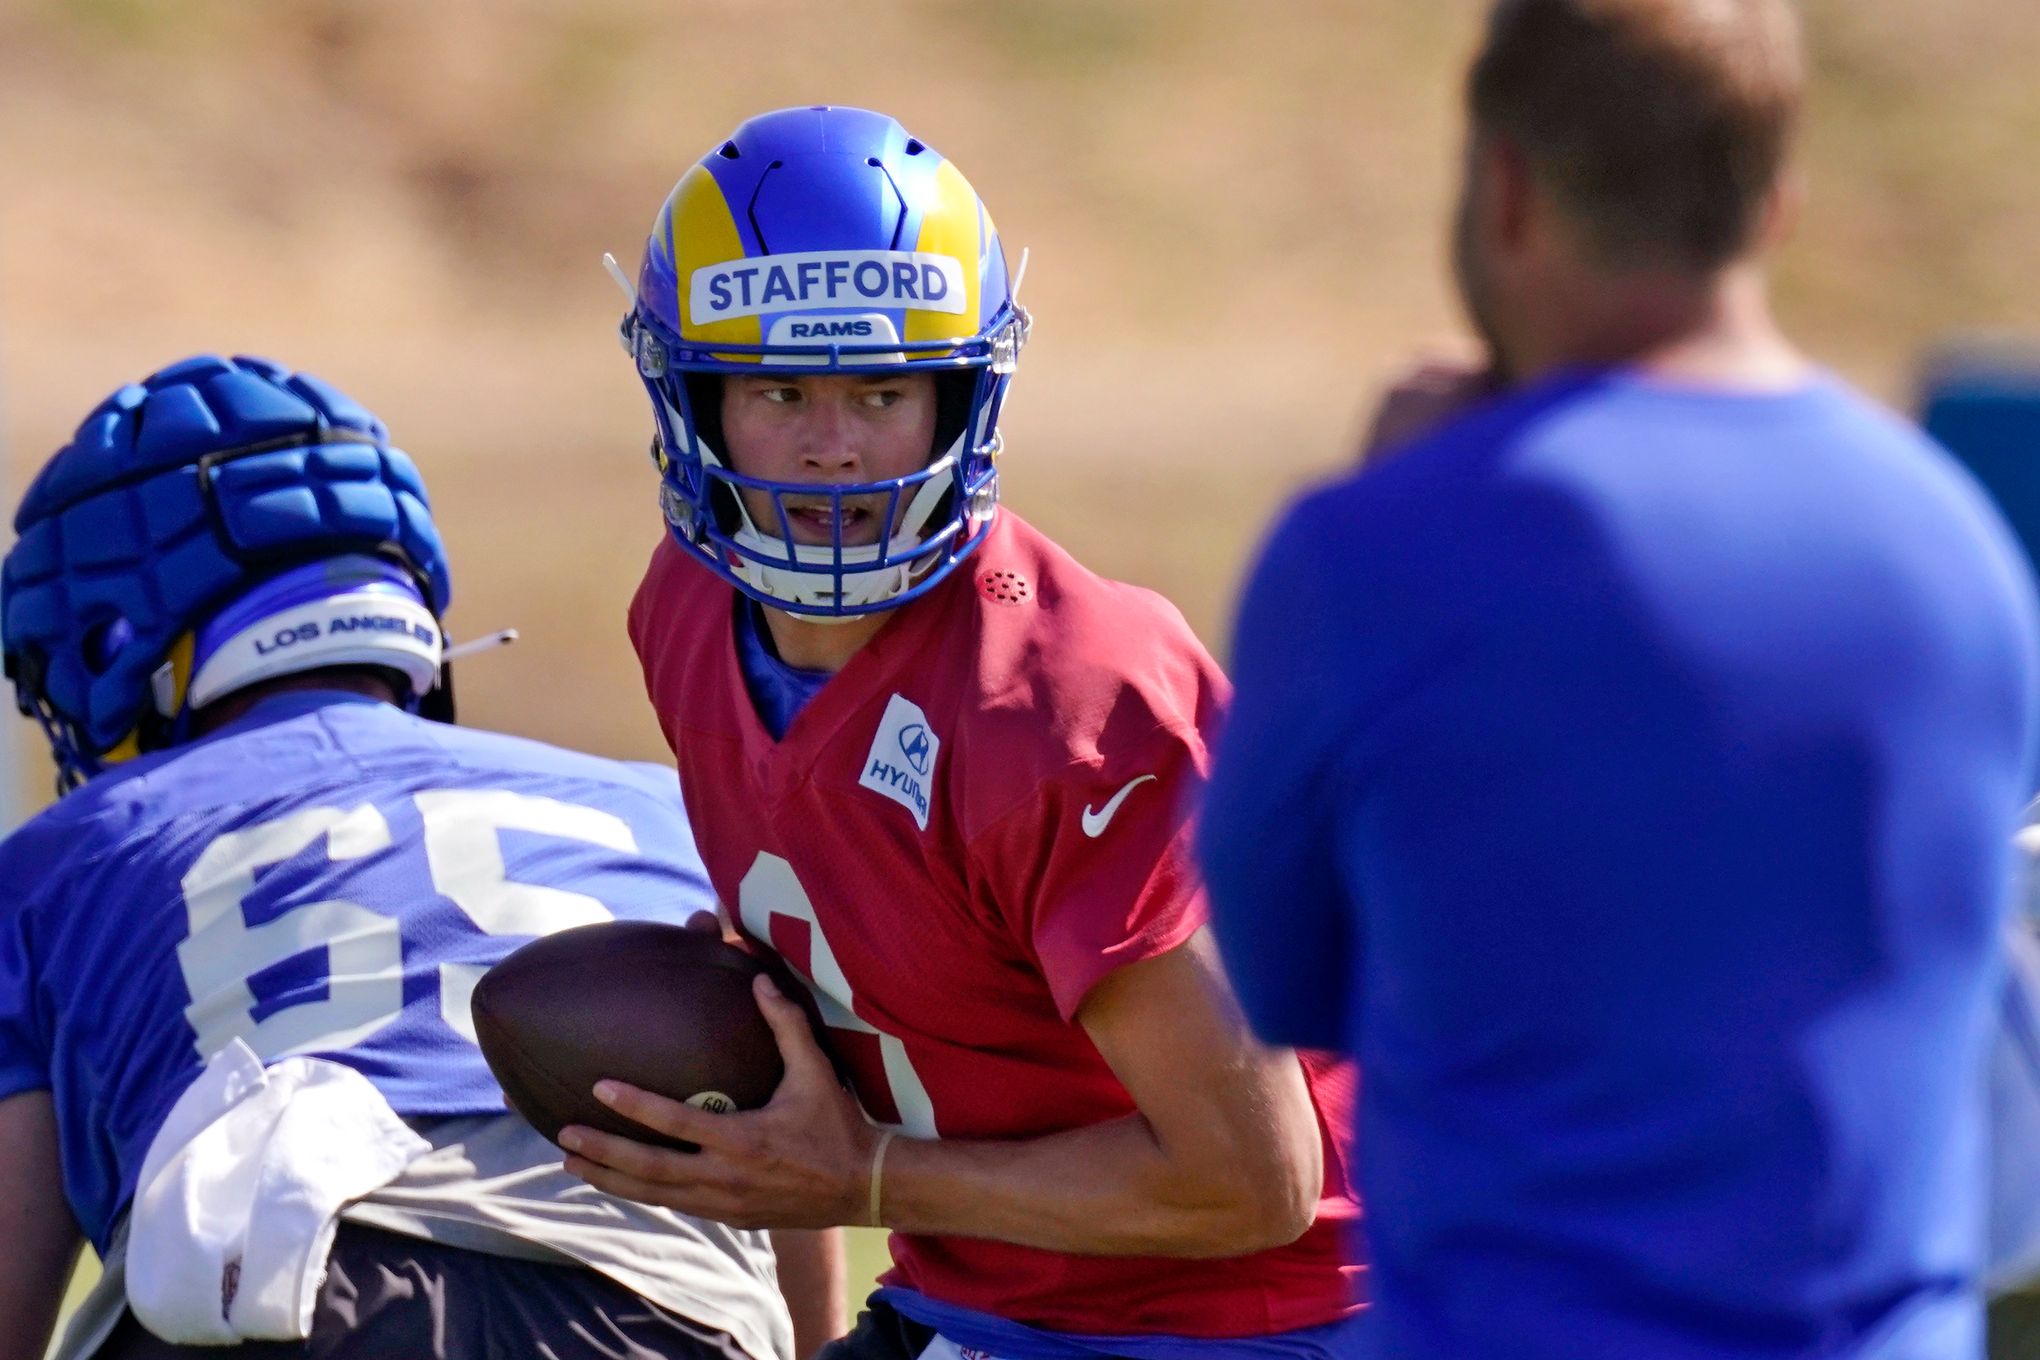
[1050,624]
[1873,451]
[645,797]
[483,749]
[678,620]
[1381,555]
[1468,445]
[1604,407]
[673,590]
[1069,667]
[117,810]
[1864,422]
[1397,511]
[1564,437]
[73,826]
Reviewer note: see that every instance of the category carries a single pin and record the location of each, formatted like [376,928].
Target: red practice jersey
[978,818]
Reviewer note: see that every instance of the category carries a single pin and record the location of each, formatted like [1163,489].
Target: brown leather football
[660,1006]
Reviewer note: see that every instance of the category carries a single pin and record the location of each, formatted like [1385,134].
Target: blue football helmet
[826,240]
[212,483]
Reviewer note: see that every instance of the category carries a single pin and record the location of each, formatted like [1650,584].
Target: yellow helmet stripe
[705,233]
[949,226]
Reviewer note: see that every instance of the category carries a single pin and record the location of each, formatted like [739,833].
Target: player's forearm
[1109,1190]
[815,1283]
[1223,1158]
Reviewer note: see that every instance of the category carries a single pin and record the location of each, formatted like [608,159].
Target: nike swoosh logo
[1096,822]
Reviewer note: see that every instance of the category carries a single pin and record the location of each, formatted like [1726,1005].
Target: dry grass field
[1234,211]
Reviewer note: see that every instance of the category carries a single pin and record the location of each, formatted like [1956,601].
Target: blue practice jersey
[1628,775]
[328,876]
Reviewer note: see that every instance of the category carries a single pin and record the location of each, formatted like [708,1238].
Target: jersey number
[364,948]
[770,889]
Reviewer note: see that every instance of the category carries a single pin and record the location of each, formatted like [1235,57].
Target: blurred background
[1235,212]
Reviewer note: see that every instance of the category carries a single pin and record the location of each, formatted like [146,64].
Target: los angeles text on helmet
[311,631]
[827,278]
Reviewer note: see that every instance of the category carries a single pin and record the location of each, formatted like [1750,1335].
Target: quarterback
[951,771]
[236,1052]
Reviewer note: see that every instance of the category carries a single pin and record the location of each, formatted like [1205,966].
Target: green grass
[865,1248]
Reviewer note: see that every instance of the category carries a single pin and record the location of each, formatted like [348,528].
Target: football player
[236,954]
[951,772]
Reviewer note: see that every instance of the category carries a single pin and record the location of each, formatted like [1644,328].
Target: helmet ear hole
[953,401]
[104,641]
[704,404]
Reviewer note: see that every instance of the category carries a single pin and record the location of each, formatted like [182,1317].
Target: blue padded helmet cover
[176,494]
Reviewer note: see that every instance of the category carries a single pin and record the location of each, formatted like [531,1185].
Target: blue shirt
[327,876]
[1627,774]
[1006,1339]
[778,691]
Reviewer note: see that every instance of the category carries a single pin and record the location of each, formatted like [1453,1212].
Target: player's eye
[878,398]
[780,396]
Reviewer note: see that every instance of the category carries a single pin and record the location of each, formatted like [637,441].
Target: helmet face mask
[188,495]
[825,241]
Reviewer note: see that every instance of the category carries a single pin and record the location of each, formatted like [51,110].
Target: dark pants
[2014,1326]
[880,1334]
[390,1297]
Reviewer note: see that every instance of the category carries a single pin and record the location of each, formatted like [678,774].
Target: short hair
[1661,125]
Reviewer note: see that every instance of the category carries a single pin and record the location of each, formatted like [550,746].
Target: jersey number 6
[365,949]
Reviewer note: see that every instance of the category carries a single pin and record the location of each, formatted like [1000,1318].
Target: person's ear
[1508,190]
[1781,210]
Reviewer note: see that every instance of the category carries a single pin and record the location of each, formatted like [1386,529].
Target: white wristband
[878,1171]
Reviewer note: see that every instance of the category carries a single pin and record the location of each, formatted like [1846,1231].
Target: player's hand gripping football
[800,1162]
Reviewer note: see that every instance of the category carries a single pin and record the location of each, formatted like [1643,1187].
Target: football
[659,1006]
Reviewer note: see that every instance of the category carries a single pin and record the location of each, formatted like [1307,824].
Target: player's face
[830,429]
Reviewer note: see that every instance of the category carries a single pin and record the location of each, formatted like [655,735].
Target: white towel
[241,1190]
